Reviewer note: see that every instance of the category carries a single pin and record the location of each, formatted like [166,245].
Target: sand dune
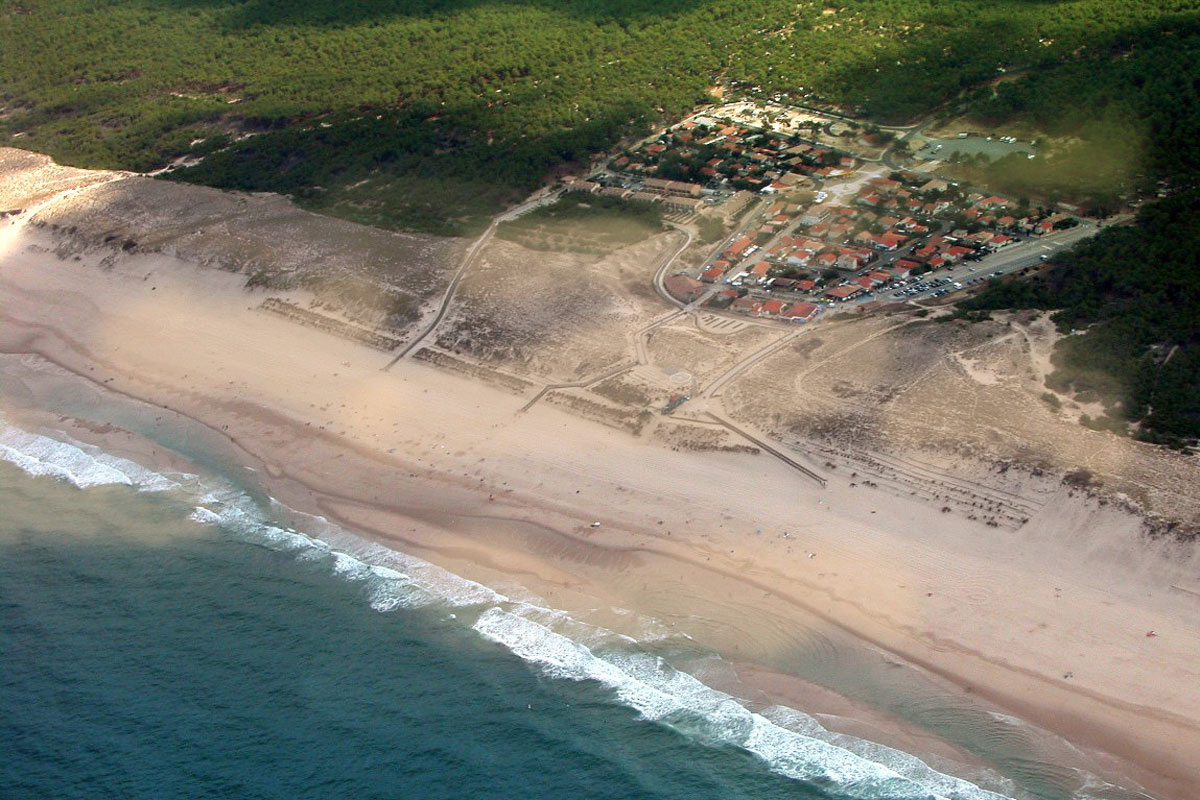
[451,471]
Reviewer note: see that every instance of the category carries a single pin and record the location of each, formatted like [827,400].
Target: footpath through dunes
[726,548]
[889,392]
[554,316]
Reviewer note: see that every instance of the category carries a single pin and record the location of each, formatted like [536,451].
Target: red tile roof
[771,307]
[844,292]
[681,287]
[739,246]
[800,311]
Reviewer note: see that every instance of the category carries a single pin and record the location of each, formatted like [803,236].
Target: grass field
[584,224]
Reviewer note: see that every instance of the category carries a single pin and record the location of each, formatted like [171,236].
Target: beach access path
[471,255]
[447,469]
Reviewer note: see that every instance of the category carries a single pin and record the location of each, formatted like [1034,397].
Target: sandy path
[412,454]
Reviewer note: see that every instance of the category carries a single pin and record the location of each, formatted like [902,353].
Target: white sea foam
[77,463]
[1007,719]
[662,694]
[448,588]
[899,761]
[391,579]
[204,516]
[791,743]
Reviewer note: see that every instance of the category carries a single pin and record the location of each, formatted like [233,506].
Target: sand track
[728,548]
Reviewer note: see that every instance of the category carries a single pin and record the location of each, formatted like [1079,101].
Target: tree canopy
[1131,298]
[432,114]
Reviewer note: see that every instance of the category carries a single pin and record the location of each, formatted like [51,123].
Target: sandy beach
[737,551]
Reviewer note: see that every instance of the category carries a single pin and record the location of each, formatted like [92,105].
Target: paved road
[642,356]
[889,155]
[660,274]
[1014,258]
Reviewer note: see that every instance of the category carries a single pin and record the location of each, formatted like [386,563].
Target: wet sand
[452,472]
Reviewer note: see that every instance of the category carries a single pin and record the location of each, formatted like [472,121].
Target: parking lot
[993,148]
[1013,258]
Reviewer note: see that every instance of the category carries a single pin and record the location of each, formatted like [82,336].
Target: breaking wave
[392,579]
[79,464]
[788,742]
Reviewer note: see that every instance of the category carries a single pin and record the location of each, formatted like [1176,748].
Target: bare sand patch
[556,316]
[733,550]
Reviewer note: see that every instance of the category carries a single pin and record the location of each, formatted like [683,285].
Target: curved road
[661,272]
[638,341]
[642,357]
[888,157]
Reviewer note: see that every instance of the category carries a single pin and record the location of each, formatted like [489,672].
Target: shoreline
[758,686]
[476,448]
[759,689]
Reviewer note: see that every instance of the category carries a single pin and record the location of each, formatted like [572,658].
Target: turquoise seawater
[163,635]
[143,654]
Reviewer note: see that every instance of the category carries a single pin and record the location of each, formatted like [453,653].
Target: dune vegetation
[433,114]
[1131,299]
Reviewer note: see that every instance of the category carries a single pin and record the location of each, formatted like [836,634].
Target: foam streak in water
[392,579]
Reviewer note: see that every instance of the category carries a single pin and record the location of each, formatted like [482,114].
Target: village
[821,228]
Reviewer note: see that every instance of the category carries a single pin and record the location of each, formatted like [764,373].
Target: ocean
[172,634]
